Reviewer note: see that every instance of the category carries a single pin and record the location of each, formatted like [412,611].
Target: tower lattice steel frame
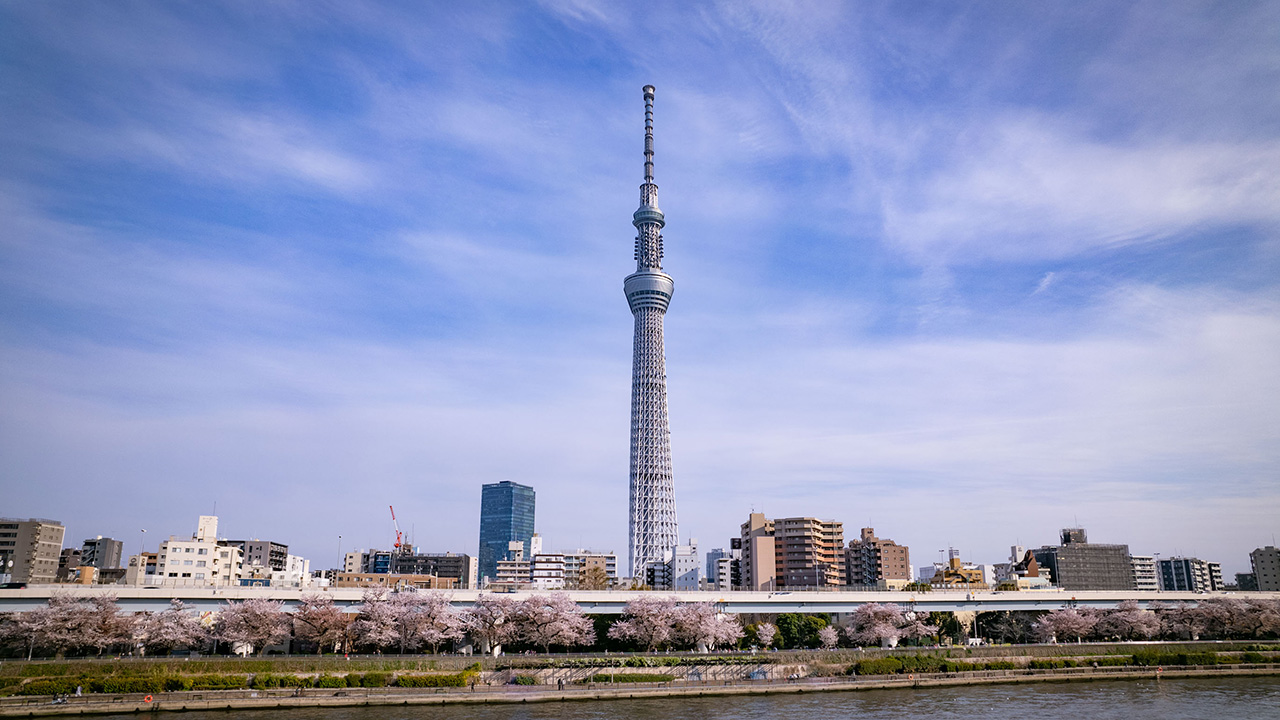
[653,529]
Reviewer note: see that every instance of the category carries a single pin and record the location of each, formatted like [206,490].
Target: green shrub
[524,680]
[1113,661]
[265,681]
[1000,665]
[1052,663]
[354,679]
[1253,657]
[174,683]
[331,681]
[1154,657]
[632,677]
[375,679]
[1198,658]
[296,681]
[219,682]
[921,664]
[60,686]
[878,666]
[458,680]
[129,685]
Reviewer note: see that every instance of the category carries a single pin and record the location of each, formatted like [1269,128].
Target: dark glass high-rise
[506,515]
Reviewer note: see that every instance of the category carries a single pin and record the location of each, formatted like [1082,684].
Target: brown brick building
[870,560]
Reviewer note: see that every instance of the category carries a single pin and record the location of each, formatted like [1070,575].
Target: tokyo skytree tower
[653,529]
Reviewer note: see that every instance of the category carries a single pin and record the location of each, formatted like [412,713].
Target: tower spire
[648,134]
[653,530]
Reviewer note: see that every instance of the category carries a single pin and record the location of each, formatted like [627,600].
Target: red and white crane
[399,536]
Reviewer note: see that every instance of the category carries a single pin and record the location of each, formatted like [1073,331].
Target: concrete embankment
[232,700]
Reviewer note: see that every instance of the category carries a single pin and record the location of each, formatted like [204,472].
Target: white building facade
[200,560]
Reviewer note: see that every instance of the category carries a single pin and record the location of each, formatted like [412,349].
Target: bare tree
[490,620]
[553,619]
[255,623]
[317,620]
[765,633]
[376,624]
[174,627]
[829,637]
[593,578]
[647,621]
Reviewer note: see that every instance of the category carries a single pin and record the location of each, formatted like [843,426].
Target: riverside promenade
[513,694]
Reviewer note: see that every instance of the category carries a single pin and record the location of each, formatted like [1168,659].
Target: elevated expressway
[138,598]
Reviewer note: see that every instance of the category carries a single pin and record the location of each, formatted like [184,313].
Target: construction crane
[399,536]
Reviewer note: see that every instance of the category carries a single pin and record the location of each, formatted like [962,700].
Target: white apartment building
[1144,572]
[547,571]
[296,573]
[200,560]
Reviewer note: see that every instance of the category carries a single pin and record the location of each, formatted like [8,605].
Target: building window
[200,563]
[204,551]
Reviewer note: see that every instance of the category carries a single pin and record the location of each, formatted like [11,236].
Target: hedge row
[643,661]
[1055,663]
[923,664]
[261,681]
[631,678]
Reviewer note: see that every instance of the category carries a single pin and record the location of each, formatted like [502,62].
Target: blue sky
[969,274]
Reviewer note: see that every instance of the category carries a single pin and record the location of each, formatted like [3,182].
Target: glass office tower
[506,514]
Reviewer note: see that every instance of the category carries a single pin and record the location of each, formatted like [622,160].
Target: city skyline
[964,275]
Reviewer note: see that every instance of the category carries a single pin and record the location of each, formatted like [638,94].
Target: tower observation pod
[652,530]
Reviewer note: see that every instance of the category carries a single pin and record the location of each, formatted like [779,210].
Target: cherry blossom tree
[829,637]
[1222,617]
[490,620]
[876,624]
[1182,621]
[647,621]
[913,628]
[103,625]
[765,633]
[173,627]
[1127,621]
[61,624]
[1261,618]
[699,625]
[437,620]
[376,624]
[317,620]
[553,619]
[1066,624]
[254,623]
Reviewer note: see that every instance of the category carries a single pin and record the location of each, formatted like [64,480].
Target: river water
[1146,699]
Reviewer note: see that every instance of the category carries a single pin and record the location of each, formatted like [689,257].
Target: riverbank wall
[481,694]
